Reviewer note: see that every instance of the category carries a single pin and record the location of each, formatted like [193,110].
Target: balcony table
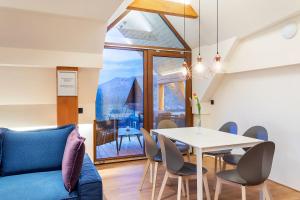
[206,140]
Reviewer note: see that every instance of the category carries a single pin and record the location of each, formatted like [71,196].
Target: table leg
[120,143]
[138,137]
[199,174]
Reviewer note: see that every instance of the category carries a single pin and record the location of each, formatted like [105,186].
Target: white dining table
[206,140]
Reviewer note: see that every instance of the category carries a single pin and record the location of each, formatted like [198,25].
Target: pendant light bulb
[184,69]
[200,68]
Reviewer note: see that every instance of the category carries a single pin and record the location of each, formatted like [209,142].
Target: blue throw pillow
[34,151]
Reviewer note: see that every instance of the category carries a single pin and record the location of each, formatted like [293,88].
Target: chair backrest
[151,148]
[255,165]
[229,127]
[166,123]
[171,156]
[256,132]
[106,131]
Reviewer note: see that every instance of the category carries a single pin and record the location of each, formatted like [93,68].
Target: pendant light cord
[199,30]
[184,21]
[184,24]
[217,26]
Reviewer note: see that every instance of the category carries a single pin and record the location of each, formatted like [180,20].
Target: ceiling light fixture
[218,64]
[199,67]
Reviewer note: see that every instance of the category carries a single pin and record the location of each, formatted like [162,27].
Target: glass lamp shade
[199,67]
[218,64]
[186,70]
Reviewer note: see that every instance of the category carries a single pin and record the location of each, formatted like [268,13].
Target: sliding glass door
[120,105]
[137,89]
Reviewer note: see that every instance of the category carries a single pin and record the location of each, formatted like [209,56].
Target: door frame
[148,55]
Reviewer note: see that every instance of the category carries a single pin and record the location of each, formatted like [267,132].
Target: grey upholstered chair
[229,127]
[253,169]
[177,168]
[183,148]
[257,132]
[153,154]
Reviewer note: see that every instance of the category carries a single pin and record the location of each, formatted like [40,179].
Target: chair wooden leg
[151,172]
[144,175]
[179,187]
[206,188]
[183,189]
[187,189]
[266,192]
[216,161]
[163,185]
[154,180]
[243,192]
[220,163]
[218,189]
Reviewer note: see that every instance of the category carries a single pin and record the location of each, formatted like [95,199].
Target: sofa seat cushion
[35,186]
[34,151]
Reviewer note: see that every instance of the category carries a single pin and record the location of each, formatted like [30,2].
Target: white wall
[269,98]
[28,95]
[260,87]
[32,44]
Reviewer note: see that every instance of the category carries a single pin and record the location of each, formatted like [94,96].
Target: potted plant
[198,106]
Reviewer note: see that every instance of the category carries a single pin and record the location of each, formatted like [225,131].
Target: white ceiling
[238,18]
[92,9]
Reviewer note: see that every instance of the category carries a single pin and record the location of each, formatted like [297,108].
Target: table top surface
[130,131]
[207,139]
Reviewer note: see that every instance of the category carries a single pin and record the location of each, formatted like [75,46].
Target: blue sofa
[30,164]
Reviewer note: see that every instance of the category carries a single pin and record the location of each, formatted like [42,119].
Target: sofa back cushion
[33,151]
[2,130]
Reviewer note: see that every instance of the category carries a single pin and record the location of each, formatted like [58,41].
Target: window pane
[168,90]
[143,28]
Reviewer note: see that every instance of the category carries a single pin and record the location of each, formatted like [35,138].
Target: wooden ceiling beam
[163,7]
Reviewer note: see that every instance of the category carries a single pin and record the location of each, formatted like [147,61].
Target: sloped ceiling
[91,9]
[238,18]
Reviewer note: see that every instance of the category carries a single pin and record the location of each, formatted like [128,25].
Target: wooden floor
[121,180]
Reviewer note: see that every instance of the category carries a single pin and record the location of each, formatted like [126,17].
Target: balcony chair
[106,132]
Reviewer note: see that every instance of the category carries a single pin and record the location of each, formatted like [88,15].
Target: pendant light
[218,64]
[186,70]
[199,67]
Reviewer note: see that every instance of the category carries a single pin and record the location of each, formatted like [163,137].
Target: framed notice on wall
[66,83]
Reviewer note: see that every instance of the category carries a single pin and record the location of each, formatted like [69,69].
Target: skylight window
[144,29]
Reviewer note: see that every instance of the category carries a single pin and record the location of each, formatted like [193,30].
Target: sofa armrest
[90,182]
